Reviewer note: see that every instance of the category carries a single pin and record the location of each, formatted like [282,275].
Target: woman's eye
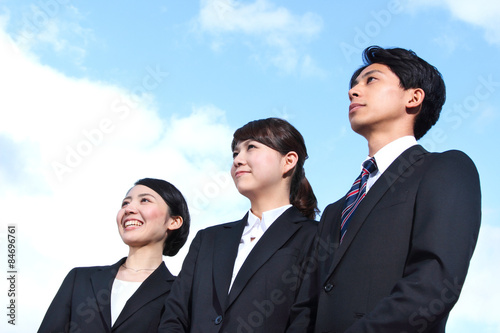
[124,203]
[251,146]
[235,153]
[145,200]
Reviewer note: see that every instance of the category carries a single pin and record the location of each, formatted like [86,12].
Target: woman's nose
[238,159]
[130,209]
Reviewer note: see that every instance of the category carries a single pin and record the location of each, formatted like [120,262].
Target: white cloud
[259,17]
[53,25]
[481,13]
[85,143]
[276,27]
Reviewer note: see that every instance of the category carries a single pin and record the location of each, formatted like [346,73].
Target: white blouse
[253,231]
[121,291]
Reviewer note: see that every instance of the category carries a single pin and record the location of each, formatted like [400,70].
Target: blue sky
[97,95]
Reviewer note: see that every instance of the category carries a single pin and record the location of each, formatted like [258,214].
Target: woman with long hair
[243,276]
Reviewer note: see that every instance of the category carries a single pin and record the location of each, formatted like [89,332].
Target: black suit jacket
[82,303]
[264,290]
[404,258]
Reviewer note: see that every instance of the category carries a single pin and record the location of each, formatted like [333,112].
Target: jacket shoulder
[88,270]
[453,155]
[80,272]
[309,225]
[218,227]
[453,160]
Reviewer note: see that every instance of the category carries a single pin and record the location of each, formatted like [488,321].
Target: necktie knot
[370,165]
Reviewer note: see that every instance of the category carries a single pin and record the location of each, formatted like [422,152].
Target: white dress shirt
[253,231]
[385,156]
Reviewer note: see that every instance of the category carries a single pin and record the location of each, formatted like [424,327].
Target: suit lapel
[157,284]
[226,246]
[102,281]
[393,173]
[273,239]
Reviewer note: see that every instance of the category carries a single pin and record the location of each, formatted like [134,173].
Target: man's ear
[176,223]
[290,161]
[415,99]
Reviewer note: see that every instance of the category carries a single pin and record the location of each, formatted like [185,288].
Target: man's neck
[377,142]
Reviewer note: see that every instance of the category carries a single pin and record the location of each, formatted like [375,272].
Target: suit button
[328,287]
[218,320]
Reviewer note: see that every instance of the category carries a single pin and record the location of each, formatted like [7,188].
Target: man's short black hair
[413,72]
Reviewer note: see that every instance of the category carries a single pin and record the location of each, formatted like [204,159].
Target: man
[399,243]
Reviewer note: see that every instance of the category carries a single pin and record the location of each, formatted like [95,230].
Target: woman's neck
[144,257]
[140,263]
[264,204]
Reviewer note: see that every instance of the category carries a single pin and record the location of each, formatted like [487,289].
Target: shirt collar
[385,156]
[268,217]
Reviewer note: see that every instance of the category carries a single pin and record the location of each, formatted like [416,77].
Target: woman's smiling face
[144,217]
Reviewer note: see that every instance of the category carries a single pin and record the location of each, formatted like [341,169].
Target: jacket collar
[273,239]
[226,245]
[157,284]
[388,179]
[102,281]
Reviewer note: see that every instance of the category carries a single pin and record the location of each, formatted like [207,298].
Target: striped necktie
[356,194]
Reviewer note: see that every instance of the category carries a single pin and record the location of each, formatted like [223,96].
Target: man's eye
[235,153]
[370,79]
[251,146]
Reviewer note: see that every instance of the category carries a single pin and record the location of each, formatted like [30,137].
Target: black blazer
[264,290]
[82,303]
[404,258]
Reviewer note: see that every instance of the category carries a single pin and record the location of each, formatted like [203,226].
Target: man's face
[378,102]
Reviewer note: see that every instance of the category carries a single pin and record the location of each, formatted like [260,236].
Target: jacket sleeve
[447,215]
[177,315]
[302,313]
[58,316]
